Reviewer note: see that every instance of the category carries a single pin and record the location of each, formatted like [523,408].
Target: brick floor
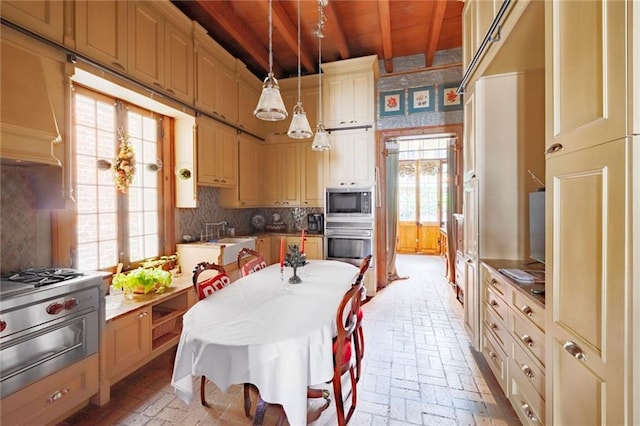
[418,369]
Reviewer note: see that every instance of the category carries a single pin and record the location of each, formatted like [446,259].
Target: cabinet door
[313,248]
[250,177]
[334,108]
[146,44]
[341,169]
[227,94]
[45,17]
[128,341]
[469,44]
[470,213]
[101,31]
[263,246]
[207,68]
[587,244]
[312,185]
[248,96]
[217,154]
[361,103]
[472,302]
[469,142]
[282,174]
[589,110]
[178,63]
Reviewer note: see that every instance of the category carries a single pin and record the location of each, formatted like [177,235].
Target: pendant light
[299,127]
[270,105]
[321,139]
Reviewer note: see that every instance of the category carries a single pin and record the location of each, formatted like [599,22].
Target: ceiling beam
[385,33]
[340,39]
[289,32]
[224,16]
[437,17]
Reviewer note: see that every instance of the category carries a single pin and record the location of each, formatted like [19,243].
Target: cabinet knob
[527,340]
[494,326]
[57,395]
[493,355]
[527,371]
[529,412]
[118,65]
[3,325]
[527,310]
[575,350]
[171,91]
[494,282]
[494,303]
[142,314]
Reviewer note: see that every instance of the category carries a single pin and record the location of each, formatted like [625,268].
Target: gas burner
[39,277]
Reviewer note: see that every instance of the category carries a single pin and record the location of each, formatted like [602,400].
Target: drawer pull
[527,340]
[493,355]
[142,314]
[529,412]
[494,326]
[555,148]
[494,303]
[527,371]
[57,395]
[575,350]
[527,311]
[494,282]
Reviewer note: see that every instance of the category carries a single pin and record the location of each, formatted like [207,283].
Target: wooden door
[587,283]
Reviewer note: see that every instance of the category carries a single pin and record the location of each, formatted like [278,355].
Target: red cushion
[253,266]
[346,354]
[360,314]
[210,286]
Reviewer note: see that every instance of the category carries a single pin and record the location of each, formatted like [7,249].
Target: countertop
[534,268]
[116,305]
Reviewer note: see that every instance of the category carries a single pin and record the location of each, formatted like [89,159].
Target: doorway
[423,192]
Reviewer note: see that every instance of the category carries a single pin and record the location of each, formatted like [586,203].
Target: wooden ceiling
[353,28]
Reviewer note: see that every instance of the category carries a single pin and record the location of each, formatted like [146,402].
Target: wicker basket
[167,326]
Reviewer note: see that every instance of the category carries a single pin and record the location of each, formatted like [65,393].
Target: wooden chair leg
[247,400]
[203,400]
[337,393]
[282,417]
[359,344]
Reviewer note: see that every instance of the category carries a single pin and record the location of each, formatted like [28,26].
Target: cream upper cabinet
[45,17]
[251,178]
[584,111]
[160,50]
[216,81]
[351,160]
[217,154]
[469,142]
[101,31]
[588,238]
[282,163]
[469,43]
[249,89]
[470,213]
[186,187]
[348,92]
[312,184]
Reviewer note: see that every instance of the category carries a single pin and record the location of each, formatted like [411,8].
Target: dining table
[262,330]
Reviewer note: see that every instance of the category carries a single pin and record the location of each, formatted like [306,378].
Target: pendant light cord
[270,40]
[299,71]
[320,76]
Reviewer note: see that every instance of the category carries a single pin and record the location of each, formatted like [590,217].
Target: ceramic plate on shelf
[257,221]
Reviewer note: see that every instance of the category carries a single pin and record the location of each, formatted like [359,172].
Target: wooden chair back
[249,261]
[206,272]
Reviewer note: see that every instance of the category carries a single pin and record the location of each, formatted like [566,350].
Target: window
[115,226]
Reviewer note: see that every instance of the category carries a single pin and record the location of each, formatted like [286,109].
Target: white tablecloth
[263,330]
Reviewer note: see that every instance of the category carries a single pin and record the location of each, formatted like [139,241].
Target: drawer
[527,369]
[532,311]
[495,303]
[528,335]
[526,402]
[493,324]
[495,281]
[496,358]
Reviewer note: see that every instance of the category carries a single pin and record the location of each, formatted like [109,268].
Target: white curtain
[391,150]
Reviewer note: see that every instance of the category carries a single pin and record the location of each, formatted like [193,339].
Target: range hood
[28,126]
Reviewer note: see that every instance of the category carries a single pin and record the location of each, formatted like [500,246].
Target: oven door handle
[348,233]
[46,358]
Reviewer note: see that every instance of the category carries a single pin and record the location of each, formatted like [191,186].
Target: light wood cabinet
[45,17]
[312,184]
[101,31]
[471,302]
[586,256]
[251,179]
[160,51]
[314,248]
[282,164]
[340,169]
[217,153]
[216,81]
[349,100]
[264,247]
[128,341]
[469,142]
[589,110]
[249,89]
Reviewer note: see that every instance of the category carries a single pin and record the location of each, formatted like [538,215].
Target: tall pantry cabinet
[592,213]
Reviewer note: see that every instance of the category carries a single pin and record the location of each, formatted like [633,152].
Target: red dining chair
[359,334]
[250,261]
[205,285]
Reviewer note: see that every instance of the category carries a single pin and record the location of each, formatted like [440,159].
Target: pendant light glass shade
[299,127]
[270,105]
[321,139]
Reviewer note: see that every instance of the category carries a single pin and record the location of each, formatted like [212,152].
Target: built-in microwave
[348,202]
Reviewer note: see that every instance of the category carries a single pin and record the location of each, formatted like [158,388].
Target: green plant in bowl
[143,281]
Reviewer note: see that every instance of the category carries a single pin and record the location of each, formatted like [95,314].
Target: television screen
[536,225]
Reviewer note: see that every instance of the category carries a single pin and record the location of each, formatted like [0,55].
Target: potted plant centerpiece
[149,277]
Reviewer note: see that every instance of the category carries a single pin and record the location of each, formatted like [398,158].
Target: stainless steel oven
[348,241]
[49,320]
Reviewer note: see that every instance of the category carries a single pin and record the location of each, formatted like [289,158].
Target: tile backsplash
[25,232]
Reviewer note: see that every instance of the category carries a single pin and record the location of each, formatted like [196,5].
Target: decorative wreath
[124,166]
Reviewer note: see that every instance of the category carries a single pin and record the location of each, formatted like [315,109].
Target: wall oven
[354,203]
[348,241]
